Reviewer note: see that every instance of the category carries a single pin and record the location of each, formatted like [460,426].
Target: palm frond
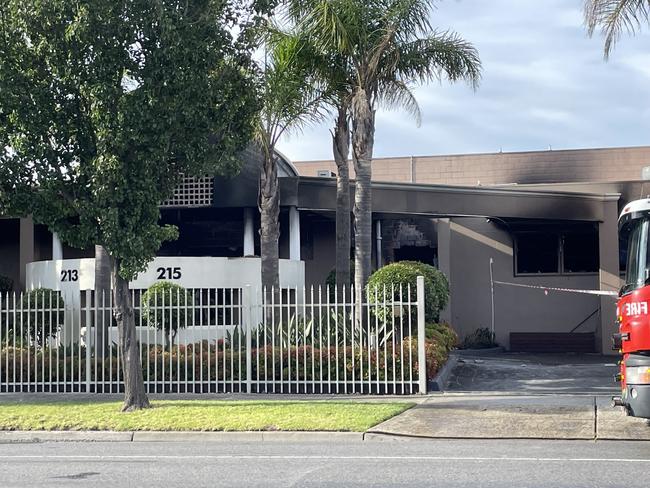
[614,17]
[291,94]
[441,55]
[395,94]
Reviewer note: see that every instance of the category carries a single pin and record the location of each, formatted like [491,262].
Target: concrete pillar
[57,247]
[294,234]
[609,273]
[26,254]
[249,232]
[443,231]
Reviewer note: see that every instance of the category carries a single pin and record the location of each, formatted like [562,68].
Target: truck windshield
[638,257]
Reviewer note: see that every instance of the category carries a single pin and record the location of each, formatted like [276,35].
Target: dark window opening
[580,252]
[424,254]
[537,252]
[557,250]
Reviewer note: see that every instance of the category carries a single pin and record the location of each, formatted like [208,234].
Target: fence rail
[218,340]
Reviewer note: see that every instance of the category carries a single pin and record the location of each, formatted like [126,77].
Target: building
[547,244]
[544,219]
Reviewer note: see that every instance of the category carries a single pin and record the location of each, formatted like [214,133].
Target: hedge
[198,355]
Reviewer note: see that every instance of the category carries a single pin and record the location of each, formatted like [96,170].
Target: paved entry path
[513,396]
[535,374]
[470,416]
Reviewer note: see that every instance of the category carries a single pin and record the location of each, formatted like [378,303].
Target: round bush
[42,313]
[163,308]
[440,284]
[405,273]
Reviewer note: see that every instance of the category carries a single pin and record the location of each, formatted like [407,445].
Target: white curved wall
[70,276]
[73,275]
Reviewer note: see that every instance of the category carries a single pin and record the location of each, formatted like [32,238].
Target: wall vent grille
[192,192]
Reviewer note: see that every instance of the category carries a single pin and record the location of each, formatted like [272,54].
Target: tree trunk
[102,299]
[269,202]
[363,134]
[341,146]
[135,397]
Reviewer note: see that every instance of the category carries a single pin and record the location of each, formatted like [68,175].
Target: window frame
[560,236]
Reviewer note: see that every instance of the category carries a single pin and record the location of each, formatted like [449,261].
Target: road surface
[408,463]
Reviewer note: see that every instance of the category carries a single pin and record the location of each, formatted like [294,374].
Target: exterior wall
[472,242]
[580,165]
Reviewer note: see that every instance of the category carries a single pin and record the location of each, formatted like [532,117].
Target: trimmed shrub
[163,308]
[481,338]
[41,315]
[6,284]
[440,284]
[405,273]
[442,333]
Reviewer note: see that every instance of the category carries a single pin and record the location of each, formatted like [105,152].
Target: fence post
[422,364]
[87,339]
[248,318]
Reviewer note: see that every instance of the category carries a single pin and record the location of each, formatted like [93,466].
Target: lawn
[200,415]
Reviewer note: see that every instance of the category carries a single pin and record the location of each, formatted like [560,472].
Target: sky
[545,83]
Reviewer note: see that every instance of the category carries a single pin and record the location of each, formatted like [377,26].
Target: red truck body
[632,311]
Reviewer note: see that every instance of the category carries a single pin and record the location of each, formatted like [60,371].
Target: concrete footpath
[514,417]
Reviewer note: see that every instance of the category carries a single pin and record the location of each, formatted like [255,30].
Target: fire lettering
[636,308]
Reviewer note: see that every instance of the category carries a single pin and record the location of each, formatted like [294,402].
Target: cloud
[545,83]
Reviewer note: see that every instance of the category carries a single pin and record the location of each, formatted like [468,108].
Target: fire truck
[633,337]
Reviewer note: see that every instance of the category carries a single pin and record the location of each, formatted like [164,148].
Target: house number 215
[169,273]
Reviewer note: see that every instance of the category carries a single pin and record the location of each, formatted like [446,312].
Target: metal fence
[219,340]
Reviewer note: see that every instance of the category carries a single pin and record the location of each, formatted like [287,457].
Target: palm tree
[389,45]
[335,74]
[614,17]
[290,99]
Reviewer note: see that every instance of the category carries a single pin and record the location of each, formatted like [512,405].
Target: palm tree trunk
[102,301]
[363,135]
[135,397]
[341,146]
[269,222]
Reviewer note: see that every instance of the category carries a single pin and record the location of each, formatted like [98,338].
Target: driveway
[535,374]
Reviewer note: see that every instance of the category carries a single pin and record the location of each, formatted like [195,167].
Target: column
[294,234]
[443,231]
[26,248]
[609,273]
[249,232]
[57,247]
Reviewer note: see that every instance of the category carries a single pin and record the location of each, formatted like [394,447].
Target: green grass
[200,415]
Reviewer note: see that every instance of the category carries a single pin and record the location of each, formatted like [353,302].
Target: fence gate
[219,340]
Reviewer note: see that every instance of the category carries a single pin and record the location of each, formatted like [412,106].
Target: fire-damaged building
[507,229]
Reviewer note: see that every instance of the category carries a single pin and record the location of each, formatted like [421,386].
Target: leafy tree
[104,106]
[388,46]
[614,17]
[290,99]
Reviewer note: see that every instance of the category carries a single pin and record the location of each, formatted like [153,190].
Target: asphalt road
[448,463]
